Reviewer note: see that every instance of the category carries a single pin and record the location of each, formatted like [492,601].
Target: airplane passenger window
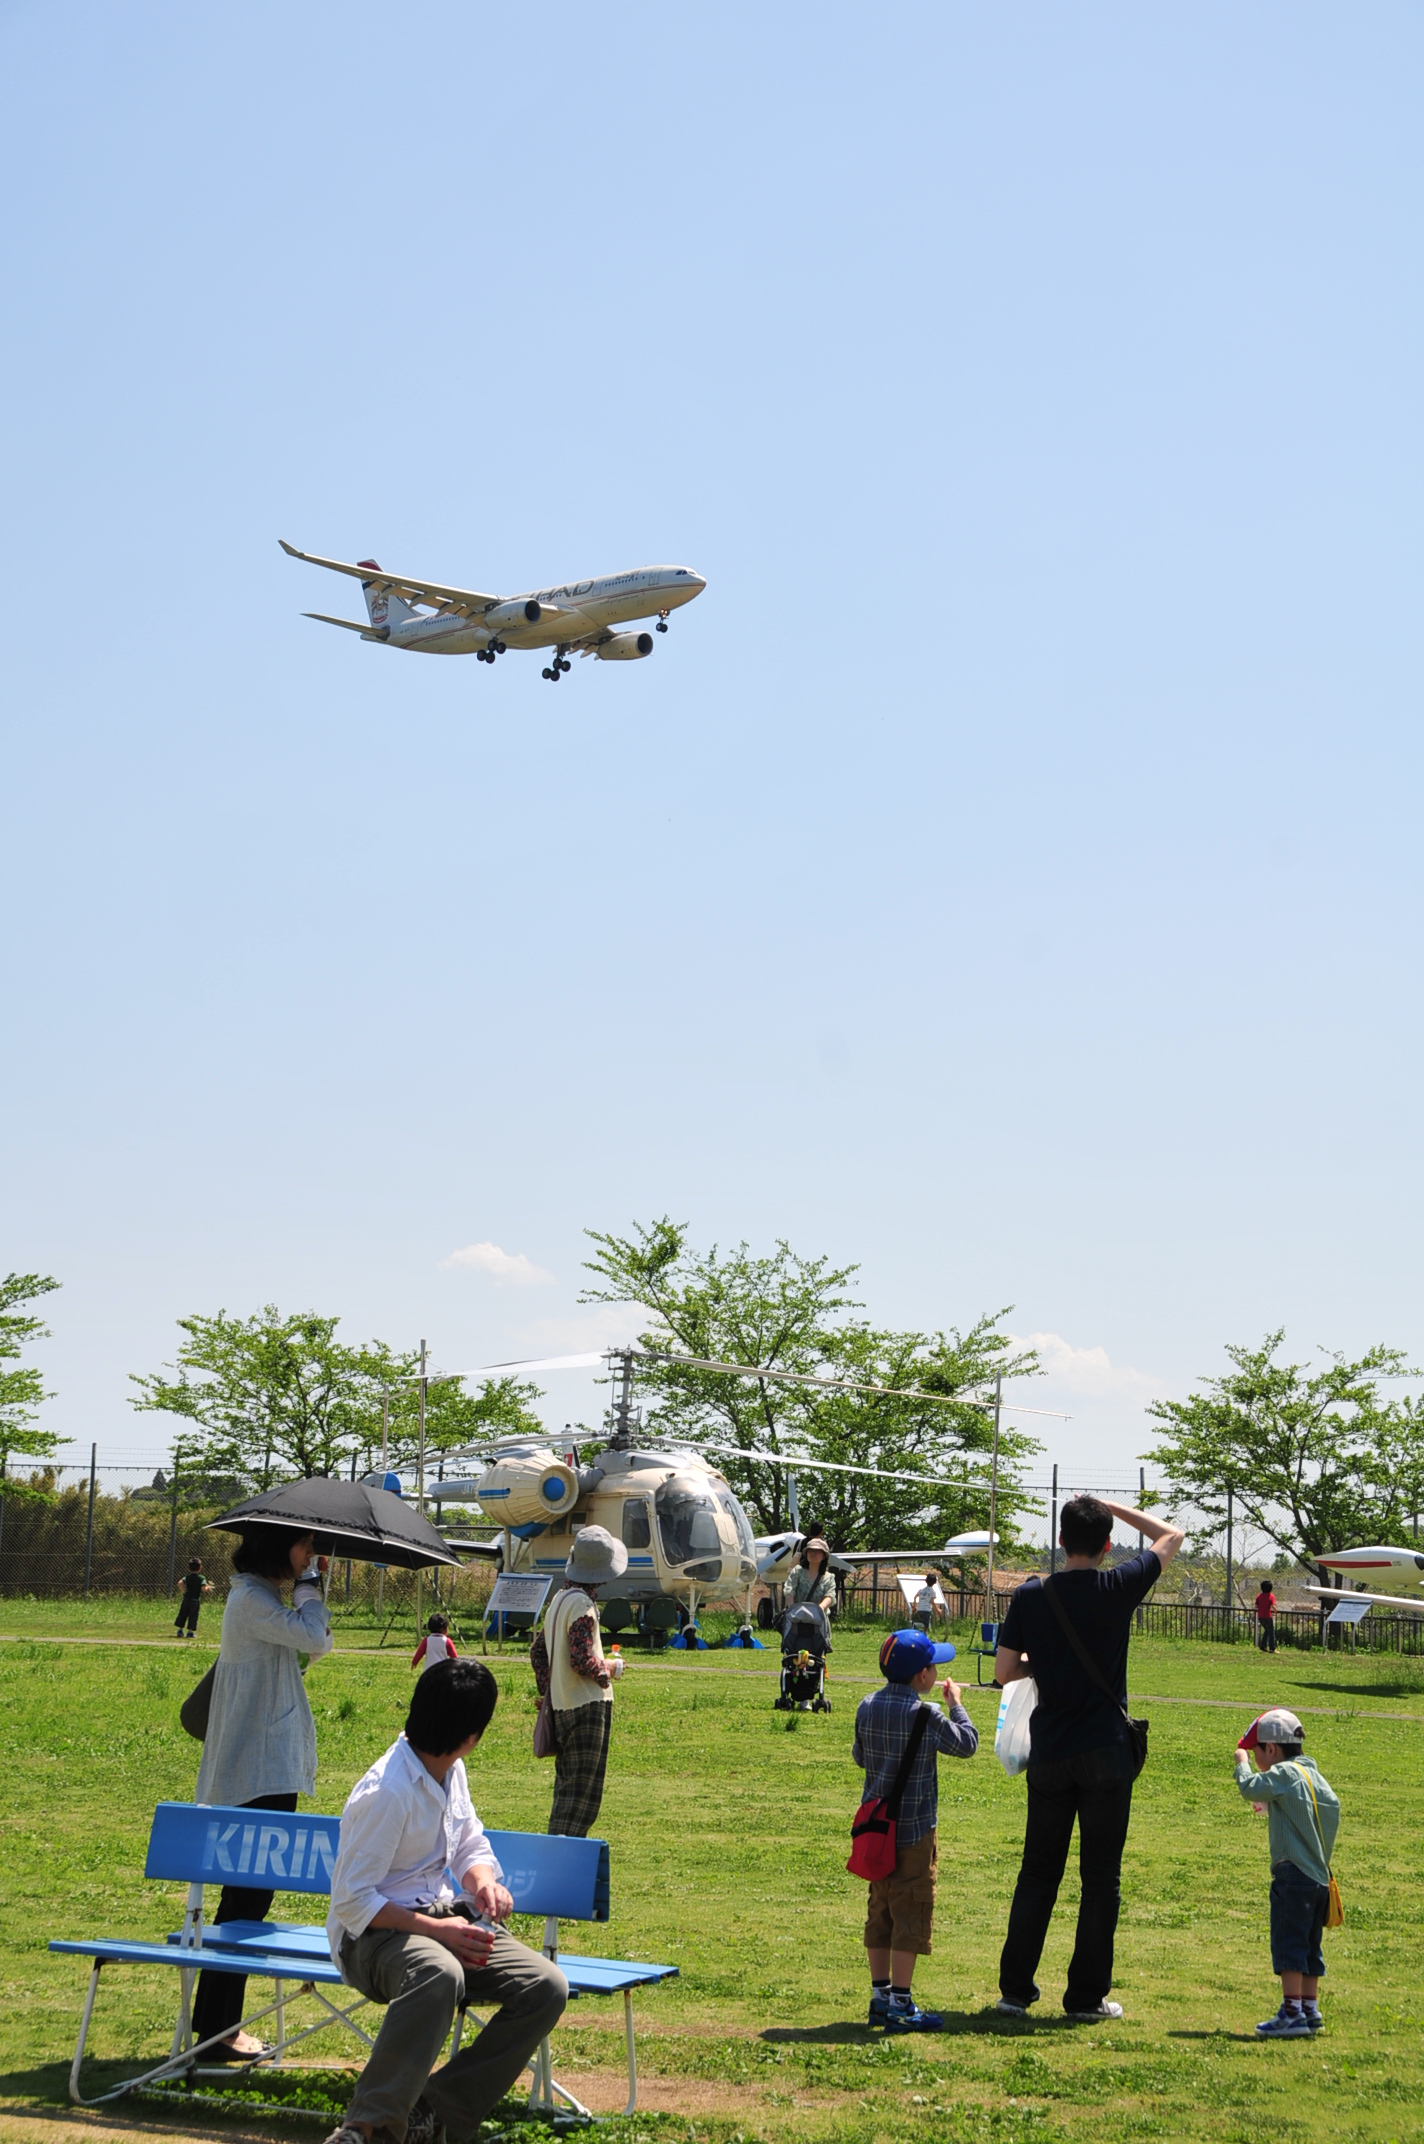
[687,1521]
[637,1529]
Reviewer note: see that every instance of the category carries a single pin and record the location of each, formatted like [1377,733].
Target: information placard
[1350,1612]
[518,1596]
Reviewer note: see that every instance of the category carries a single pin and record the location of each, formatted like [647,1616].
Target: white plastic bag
[1011,1729]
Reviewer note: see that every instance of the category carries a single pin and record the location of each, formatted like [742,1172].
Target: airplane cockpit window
[687,1521]
[637,1526]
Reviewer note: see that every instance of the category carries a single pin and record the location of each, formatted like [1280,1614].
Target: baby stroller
[805,1642]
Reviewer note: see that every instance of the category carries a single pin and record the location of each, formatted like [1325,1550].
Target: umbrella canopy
[349,1518]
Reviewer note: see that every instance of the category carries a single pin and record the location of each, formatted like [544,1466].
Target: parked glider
[582,617]
[1402,1567]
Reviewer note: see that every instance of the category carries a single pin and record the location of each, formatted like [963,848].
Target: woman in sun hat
[812,1580]
[569,1667]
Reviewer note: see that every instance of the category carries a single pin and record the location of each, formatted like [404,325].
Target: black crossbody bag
[1136,1729]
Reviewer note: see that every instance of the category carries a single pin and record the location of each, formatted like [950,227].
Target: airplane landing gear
[558,666]
[662,621]
[487,655]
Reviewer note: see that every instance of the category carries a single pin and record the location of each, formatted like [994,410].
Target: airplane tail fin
[383,605]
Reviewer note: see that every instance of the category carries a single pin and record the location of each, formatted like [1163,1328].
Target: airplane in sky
[581,617]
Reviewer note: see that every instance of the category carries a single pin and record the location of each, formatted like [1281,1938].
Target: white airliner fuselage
[582,616]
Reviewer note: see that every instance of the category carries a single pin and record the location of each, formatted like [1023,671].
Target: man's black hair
[1084,1526]
[266,1551]
[452,1701]
[437,1622]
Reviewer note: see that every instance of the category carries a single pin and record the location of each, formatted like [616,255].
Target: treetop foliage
[22,1391]
[1314,1457]
[791,1313]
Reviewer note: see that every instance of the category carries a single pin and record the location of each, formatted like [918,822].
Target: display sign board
[1350,1612]
[518,1596]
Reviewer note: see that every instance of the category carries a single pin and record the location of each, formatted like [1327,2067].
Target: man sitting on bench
[404,1936]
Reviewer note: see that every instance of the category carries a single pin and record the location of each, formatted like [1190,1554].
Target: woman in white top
[260,1748]
[570,1668]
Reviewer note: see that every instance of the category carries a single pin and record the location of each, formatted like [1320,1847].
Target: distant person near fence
[1082,1761]
[1266,1617]
[192,1585]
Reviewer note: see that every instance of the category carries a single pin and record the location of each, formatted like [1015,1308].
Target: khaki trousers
[421,1983]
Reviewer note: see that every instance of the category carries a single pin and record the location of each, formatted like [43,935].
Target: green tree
[1307,1454]
[22,1390]
[270,1396]
[788,1313]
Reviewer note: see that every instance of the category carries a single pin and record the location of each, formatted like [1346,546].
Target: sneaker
[909,2018]
[348,2133]
[1313,2018]
[879,2008]
[1285,2025]
[1006,2008]
[1104,2013]
[423,2125]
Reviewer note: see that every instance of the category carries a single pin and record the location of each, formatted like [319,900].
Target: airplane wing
[492,1551]
[1336,1594]
[466,599]
[352,625]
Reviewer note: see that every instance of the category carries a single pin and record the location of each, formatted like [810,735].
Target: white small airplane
[580,616]
[1405,1566]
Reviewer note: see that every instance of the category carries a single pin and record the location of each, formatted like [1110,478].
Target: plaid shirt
[882,1728]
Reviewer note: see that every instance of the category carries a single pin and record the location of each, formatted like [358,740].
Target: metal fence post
[89,1529]
[1053,1526]
[1229,1516]
[173,1534]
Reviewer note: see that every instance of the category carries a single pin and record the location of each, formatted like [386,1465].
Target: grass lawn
[728,1837]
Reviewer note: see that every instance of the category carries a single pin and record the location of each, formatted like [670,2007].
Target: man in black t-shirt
[1080,1761]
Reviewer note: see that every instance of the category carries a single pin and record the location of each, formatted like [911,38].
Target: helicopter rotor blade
[836,1384]
[795,1464]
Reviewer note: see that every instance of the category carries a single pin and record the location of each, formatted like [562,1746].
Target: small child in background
[1303,1810]
[192,1586]
[436,1645]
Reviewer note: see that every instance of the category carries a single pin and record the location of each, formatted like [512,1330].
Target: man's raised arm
[1163,1540]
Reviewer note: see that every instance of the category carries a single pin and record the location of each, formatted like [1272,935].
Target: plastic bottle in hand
[615,1662]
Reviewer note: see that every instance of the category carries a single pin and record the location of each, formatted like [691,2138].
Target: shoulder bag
[546,1742]
[1136,1729]
[873,1827]
[1335,1911]
[193,1713]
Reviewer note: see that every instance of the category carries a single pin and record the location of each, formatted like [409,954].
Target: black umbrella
[349,1518]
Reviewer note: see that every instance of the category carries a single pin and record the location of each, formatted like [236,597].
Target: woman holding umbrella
[260,1748]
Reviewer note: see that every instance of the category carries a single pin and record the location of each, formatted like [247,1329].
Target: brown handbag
[545,1740]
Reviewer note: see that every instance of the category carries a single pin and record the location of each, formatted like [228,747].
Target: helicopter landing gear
[662,621]
[559,665]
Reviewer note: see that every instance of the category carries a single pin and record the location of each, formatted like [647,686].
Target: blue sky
[1006,874]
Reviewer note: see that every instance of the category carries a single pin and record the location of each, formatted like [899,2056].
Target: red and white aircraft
[1397,1567]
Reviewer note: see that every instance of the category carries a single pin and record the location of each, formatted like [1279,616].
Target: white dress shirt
[403,1838]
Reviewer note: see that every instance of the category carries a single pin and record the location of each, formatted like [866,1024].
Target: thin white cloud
[1088,1372]
[602,1325]
[509,1269]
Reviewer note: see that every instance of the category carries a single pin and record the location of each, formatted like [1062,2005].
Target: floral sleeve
[539,1661]
[583,1655]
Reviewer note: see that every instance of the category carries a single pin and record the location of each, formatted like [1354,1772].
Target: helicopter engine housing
[527,1488]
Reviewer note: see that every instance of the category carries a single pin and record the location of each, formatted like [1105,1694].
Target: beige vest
[567,1689]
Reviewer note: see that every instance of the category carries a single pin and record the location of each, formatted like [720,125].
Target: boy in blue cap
[900,1914]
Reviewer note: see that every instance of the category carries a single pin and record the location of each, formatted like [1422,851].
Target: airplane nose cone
[698,582]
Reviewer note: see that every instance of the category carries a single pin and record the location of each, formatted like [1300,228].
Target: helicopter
[686,1532]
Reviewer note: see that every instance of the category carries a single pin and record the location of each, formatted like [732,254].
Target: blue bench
[562,1879]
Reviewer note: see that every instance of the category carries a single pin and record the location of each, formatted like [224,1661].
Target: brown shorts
[900,1914]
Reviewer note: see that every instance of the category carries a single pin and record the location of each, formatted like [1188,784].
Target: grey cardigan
[261,1739]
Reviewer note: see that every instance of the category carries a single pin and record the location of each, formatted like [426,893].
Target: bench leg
[632,2052]
[279,1990]
[90,1992]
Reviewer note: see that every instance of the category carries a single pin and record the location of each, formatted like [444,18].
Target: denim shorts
[1298,1908]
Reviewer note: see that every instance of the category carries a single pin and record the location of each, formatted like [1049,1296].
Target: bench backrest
[192,1843]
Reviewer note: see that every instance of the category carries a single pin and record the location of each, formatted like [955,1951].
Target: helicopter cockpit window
[734,1511]
[687,1521]
[637,1527]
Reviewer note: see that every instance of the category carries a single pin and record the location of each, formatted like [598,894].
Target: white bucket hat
[595,1558]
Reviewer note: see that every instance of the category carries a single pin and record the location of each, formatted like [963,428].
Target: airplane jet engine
[512,613]
[625,648]
[527,1488]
